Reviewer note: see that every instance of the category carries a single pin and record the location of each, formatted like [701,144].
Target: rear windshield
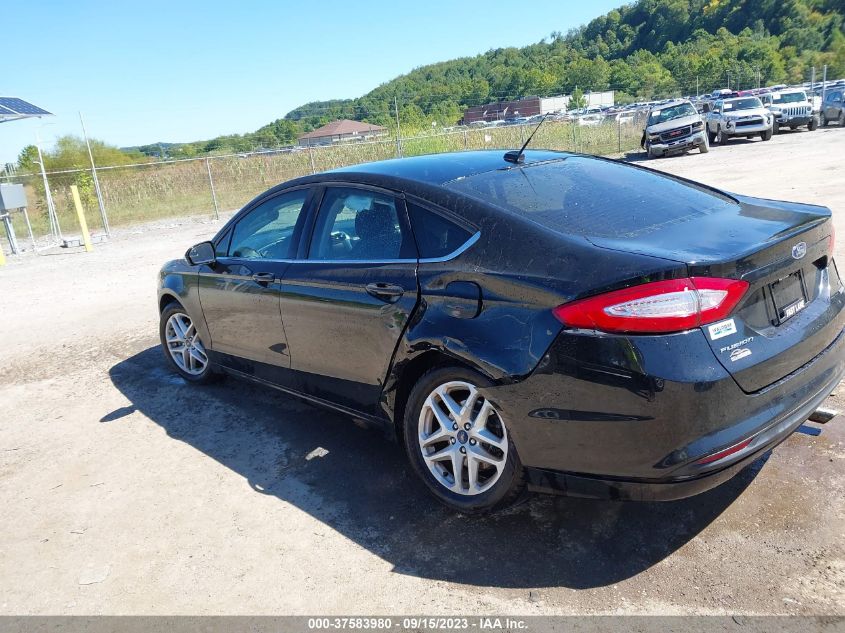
[592,197]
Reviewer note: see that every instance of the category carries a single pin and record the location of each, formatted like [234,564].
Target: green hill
[650,48]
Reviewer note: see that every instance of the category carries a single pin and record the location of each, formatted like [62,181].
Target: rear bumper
[575,485]
[625,418]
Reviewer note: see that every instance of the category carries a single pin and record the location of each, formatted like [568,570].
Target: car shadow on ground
[362,488]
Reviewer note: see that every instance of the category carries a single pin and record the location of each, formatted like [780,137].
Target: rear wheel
[823,120]
[458,442]
[183,347]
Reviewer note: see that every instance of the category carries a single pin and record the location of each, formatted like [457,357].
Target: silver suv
[739,116]
[791,109]
[674,127]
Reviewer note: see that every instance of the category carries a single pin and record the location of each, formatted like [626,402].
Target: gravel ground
[125,491]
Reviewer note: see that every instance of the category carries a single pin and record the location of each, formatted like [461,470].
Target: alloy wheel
[462,438]
[184,344]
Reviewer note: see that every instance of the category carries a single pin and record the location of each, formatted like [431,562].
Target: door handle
[264,278]
[385,291]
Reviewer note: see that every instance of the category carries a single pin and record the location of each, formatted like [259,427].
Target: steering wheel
[340,241]
[247,252]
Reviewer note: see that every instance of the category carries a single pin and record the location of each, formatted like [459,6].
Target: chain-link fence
[206,186]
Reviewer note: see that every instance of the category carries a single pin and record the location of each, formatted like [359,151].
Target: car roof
[661,106]
[437,169]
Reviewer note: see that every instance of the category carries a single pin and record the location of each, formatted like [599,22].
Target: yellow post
[2,257]
[86,238]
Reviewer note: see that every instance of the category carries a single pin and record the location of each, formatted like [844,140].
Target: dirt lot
[125,491]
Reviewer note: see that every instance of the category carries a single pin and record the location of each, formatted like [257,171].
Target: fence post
[100,202]
[213,193]
[311,156]
[466,141]
[619,135]
[86,238]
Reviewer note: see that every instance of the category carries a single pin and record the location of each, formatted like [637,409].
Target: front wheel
[704,147]
[183,346]
[711,136]
[721,137]
[842,118]
[823,120]
[458,442]
[811,126]
[775,128]
[766,136]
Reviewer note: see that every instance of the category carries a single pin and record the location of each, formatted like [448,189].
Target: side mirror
[202,253]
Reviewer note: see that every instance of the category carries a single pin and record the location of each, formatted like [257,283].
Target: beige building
[340,132]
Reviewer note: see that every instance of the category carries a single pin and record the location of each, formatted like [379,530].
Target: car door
[240,292]
[346,302]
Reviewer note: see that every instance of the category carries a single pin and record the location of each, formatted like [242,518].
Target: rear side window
[435,235]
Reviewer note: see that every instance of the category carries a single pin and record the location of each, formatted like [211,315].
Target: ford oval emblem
[799,250]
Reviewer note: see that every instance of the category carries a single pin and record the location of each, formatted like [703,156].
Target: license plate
[789,296]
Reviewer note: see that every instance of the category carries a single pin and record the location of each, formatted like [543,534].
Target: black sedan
[566,324]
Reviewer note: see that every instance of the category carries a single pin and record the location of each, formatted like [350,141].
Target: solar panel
[19,106]
[5,111]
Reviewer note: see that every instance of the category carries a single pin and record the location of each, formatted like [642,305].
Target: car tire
[705,146]
[812,125]
[842,118]
[775,128]
[711,136]
[496,476]
[183,347]
[721,137]
[767,135]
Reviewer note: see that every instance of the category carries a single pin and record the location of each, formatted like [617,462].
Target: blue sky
[183,71]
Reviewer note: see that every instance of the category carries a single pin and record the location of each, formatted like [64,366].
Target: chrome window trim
[425,260]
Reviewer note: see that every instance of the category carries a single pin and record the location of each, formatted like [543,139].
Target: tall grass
[147,192]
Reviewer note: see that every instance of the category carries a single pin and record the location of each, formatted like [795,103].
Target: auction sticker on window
[722,329]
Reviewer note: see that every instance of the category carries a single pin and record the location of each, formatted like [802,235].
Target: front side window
[435,235]
[359,225]
[267,231]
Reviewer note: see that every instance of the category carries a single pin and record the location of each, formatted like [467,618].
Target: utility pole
[398,129]
[696,86]
[96,181]
[812,80]
[824,81]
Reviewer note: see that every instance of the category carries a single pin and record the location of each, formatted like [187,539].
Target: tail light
[656,308]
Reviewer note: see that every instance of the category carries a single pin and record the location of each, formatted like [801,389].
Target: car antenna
[518,157]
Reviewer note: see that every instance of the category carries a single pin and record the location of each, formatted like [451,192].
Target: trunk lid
[793,307]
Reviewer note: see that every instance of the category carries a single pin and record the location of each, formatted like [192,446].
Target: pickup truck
[790,108]
[674,127]
[739,116]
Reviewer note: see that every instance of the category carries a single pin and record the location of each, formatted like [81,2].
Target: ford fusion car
[557,322]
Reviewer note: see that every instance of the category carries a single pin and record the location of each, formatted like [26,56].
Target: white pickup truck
[738,116]
[790,108]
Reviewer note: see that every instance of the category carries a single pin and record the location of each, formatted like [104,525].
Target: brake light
[658,307]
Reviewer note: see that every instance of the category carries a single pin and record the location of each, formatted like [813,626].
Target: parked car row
[679,126]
